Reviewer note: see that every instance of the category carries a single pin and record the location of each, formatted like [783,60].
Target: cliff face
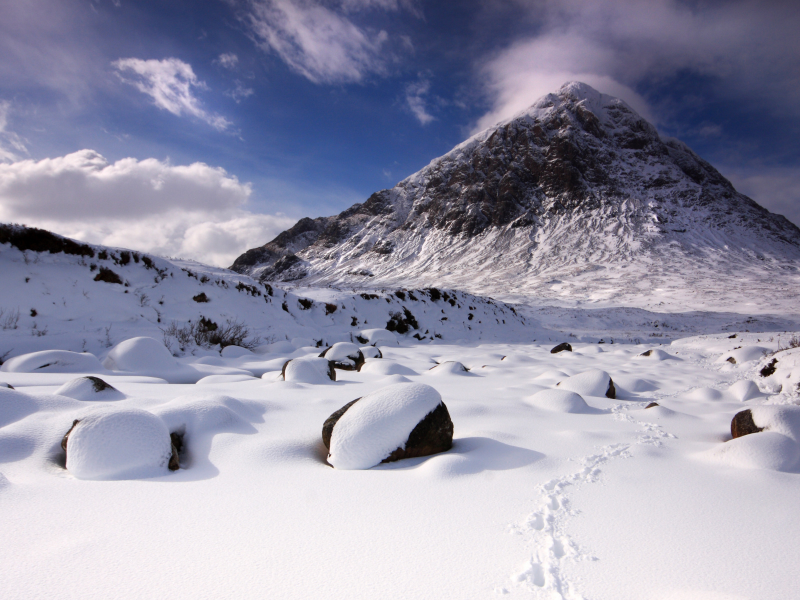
[578,182]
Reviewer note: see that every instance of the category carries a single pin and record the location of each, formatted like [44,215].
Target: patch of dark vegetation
[250,289]
[148,262]
[305,303]
[285,306]
[330,308]
[369,296]
[412,296]
[189,272]
[402,322]
[124,257]
[34,312]
[102,255]
[136,257]
[39,240]
[470,316]
[206,333]
[108,276]
[201,297]
[401,295]
[434,293]
[204,279]
[353,322]
[268,289]
[362,340]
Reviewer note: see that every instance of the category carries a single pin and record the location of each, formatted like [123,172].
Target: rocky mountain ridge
[577,191]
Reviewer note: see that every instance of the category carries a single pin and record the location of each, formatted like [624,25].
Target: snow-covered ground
[552,489]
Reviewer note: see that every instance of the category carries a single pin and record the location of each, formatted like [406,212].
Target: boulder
[562,347]
[403,420]
[89,388]
[593,382]
[371,352]
[449,367]
[651,405]
[560,401]
[308,370]
[53,361]
[345,356]
[119,444]
[743,424]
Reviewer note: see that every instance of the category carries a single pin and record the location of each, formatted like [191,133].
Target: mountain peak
[577,184]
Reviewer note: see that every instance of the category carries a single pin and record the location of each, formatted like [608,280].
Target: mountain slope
[576,198]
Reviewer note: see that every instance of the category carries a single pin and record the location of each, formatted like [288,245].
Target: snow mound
[563,401]
[53,361]
[386,367]
[148,356]
[301,342]
[381,337]
[781,419]
[589,383]
[451,367]
[89,388]
[705,394]
[655,354]
[309,370]
[392,379]
[744,390]
[278,347]
[212,379]
[744,354]
[235,352]
[379,423]
[14,406]
[371,352]
[121,444]
[763,450]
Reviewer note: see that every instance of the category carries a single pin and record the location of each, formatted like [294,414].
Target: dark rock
[177,445]
[100,385]
[651,405]
[611,392]
[66,435]
[357,358]
[730,337]
[731,360]
[769,369]
[646,353]
[562,347]
[743,424]
[433,434]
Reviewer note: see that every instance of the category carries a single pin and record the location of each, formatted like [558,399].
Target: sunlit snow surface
[536,498]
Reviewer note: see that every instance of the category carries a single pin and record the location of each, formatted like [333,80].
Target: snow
[118,444]
[594,382]
[53,361]
[560,401]
[379,423]
[313,370]
[86,388]
[343,352]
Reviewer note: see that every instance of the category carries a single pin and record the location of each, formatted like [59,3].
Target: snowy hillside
[576,199]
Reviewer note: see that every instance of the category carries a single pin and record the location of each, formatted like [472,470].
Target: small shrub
[148,262]
[369,296]
[434,294]
[401,295]
[9,320]
[136,257]
[108,276]
[124,257]
[402,322]
[330,308]
[206,333]
[33,312]
[201,297]
[305,303]
[102,255]
[40,240]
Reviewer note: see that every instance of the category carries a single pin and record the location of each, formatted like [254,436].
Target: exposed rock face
[577,183]
[433,434]
[743,424]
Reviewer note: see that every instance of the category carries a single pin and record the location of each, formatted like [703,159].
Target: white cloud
[617,45]
[319,42]
[11,145]
[416,100]
[228,60]
[240,92]
[195,211]
[170,83]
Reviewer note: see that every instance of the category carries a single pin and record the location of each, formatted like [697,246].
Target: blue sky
[201,129]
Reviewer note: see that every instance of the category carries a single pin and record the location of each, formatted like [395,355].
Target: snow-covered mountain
[577,198]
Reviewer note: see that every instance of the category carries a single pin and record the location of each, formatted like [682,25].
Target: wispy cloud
[196,211]
[416,100]
[240,92]
[170,83]
[11,144]
[618,46]
[320,40]
[228,60]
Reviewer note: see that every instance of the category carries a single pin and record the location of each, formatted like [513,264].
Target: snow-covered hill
[578,198]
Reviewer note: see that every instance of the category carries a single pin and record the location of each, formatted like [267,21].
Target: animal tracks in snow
[546,526]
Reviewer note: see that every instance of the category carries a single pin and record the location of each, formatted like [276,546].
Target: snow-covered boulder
[345,356]
[743,355]
[89,388]
[450,367]
[235,352]
[386,367]
[744,390]
[560,401]
[655,354]
[120,444]
[371,352]
[309,370]
[213,379]
[404,420]
[590,383]
[53,361]
[381,337]
[6,385]
[148,356]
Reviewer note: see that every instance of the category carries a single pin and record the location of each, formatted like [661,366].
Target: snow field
[529,502]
